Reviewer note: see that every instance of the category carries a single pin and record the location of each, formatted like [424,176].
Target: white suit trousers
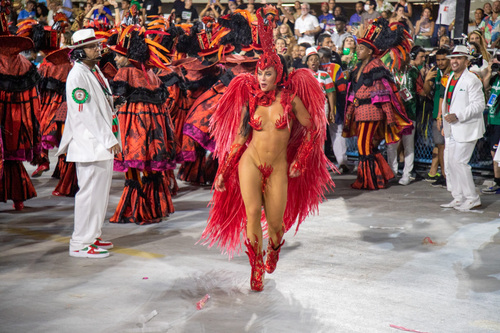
[338,143]
[91,202]
[408,142]
[458,171]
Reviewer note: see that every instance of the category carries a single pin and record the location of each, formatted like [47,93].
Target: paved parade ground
[380,261]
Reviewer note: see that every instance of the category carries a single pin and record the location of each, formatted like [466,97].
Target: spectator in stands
[67,8]
[341,34]
[446,16]
[439,71]
[326,20]
[479,65]
[488,10]
[41,13]
[281,46]
[476,22]
[424,28]
[348,54]
[28,12]
[189,14]
[325,41]
[284,31]
[491,25]
[210,11]
[369,15]
[445,41]
[287,16]
[101,13]
[335,128]
[331,6]
[153,7]
[408,9]
[295,55]
[492,80]
[355,21]
[477,37]
[306,26]
[125,5]
[297,63]
[325,81]
[400,16]
[297,7]
[338,11]
[232,7]
[384,5]
[463,124]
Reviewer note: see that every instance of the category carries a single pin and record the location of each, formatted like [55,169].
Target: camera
[478,60]
[431,60]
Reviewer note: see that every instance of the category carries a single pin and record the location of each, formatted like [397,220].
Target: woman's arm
[304,118]
[232,157]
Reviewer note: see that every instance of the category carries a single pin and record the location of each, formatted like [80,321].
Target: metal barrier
[481,158]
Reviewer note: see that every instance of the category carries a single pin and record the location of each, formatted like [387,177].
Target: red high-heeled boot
[273,254]
[257,263]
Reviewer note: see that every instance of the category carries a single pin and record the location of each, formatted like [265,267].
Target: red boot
[41,168]
[18,205]
[257,263]
[273,254]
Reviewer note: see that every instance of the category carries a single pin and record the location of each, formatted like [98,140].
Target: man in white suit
[463,125]
[89,141]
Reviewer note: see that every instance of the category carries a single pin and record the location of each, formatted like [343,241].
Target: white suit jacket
[468,104]
[87,134]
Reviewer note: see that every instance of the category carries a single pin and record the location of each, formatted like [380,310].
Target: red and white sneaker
[103,244]
[90,251]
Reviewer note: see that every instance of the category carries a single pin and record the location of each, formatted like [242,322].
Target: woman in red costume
[145,128]
[374,107]
[269,135]
[19,103]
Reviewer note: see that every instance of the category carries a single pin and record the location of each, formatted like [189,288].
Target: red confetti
[406,329]
[201,303]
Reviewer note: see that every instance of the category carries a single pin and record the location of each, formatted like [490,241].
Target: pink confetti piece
[145,278]
[406,329]
[428,240]
[201,303]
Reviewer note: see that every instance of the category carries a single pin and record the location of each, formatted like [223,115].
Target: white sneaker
[404,181]
[90,251]
[453,204]
[468,205]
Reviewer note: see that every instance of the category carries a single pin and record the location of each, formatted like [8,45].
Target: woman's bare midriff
[269,145]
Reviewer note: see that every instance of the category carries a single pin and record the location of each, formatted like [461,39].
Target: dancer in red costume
[145,127]
[19,103]
[375,110]
[269,135]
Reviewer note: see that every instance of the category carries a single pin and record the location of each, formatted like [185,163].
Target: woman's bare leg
[275,198]
[250,186]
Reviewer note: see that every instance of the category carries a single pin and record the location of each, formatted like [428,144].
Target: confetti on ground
[386,228]
[406,329]
[201,303]
[143,320]
[145,278]
[429,241]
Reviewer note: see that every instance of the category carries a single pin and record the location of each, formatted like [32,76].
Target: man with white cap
[89,141]
[463,125]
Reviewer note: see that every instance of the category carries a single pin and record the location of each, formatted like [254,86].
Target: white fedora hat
[84,37]
[460,51]
[309,52]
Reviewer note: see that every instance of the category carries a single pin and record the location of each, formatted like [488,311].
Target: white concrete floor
[361,265]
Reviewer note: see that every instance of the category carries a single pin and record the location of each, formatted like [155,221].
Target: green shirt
[438,93]
[493,103]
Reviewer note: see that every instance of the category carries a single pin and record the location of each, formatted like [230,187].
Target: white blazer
[87,134]
[467,103]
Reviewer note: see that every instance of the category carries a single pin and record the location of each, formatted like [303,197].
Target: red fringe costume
[199,78]
[374,111]
[148,146]
[227,219]
[54,71]
[19,104]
